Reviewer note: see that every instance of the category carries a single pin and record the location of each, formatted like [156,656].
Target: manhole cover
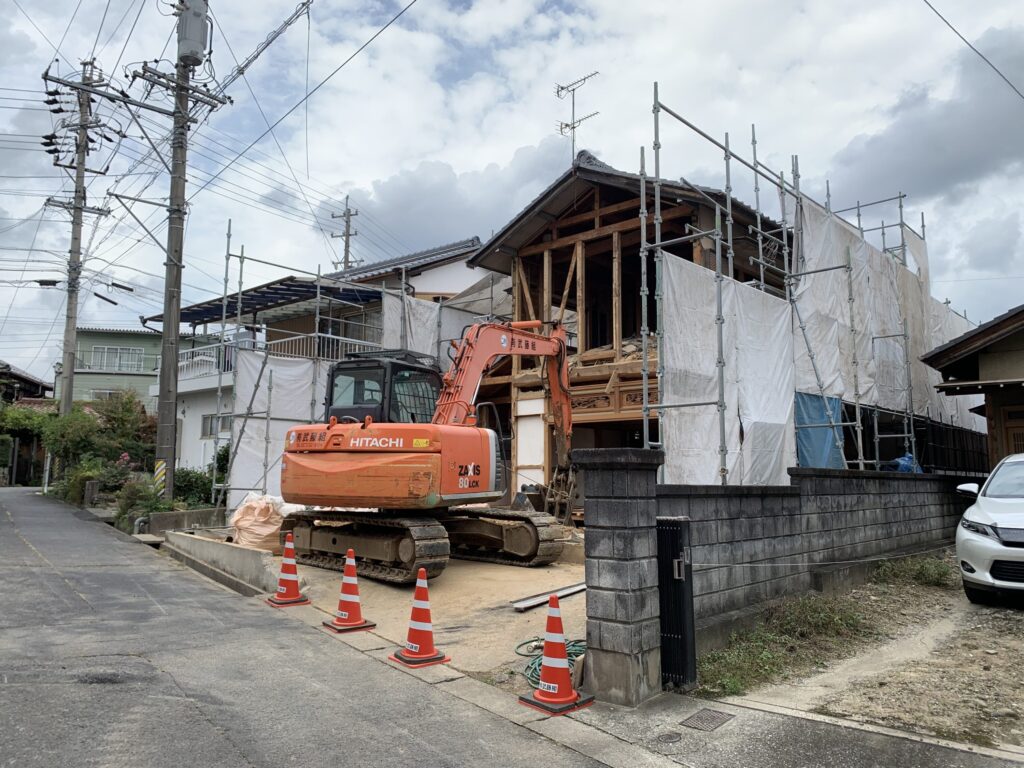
[670,738]
[707,720]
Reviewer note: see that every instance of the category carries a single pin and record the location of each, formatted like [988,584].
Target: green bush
[137,499]
[6,446]
[89,468]
[222,459]
[192,486]
[71,437]
[926,571]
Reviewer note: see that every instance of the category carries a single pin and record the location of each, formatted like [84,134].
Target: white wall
[448,279]
[195,451]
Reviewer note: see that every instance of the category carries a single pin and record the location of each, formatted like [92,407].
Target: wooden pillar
[545,309]
[617,295]
[581,297]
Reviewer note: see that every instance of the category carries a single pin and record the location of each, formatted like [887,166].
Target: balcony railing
[111,363]
[208,360]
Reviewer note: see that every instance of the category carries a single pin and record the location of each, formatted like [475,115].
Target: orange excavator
[386,476]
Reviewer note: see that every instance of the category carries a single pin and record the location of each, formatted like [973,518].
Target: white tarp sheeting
[769,356]
[293,389]
[758,357]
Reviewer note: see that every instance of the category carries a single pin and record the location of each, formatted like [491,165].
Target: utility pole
[348,234]
[75,260]
[192,45]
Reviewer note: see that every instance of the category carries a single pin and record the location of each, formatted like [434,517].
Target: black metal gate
[675,585]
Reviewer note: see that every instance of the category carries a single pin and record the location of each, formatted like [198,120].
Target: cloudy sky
[447,124]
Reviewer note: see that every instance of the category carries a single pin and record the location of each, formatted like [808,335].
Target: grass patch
[792,635]
[924,570]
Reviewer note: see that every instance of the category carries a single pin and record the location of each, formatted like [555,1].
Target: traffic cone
[419,648]
[288,582]
[349,616]
[555,694]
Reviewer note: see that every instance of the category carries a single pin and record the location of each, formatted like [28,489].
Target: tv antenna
[561,91]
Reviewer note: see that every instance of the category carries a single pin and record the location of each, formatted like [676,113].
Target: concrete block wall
[752,544]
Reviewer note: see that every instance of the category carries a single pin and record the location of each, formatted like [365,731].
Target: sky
[447,125]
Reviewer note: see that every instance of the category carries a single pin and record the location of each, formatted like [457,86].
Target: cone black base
[300,600]
[557,709]
[411,661]
[353,628]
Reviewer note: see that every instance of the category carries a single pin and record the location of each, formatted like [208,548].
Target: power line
[42,34]
[980,54]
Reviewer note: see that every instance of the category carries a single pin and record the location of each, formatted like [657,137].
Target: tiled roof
[412,261]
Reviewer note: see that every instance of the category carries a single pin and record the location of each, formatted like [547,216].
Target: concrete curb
[248,571]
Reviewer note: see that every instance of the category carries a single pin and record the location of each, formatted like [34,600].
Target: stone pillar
[623,663]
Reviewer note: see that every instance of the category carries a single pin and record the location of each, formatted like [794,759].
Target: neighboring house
[112,360]
[989,360]
[16,384]
[295,327]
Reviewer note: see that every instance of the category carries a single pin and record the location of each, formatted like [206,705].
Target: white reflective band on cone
[350,561]
[561,663]
[555,612]
[349,580]
[349,598]
[421,625]
[421,604]
[289,577]
[421,583]
[288,560]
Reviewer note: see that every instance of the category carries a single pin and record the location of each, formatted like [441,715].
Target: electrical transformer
[193,33]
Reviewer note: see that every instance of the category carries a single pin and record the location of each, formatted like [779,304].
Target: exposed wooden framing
[605,231]
[579,218]
[565,290]
[545,308]
[524,286]
[597,207]
[617,294]
[581,298]
[698,253]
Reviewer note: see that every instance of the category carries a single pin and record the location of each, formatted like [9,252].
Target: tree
[125,428]
[72,436]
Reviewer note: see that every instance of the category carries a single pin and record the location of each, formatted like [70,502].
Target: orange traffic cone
[349,616]
[288,582]
[555,694]
[419,648]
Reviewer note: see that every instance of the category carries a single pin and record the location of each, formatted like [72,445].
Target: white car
[990,537]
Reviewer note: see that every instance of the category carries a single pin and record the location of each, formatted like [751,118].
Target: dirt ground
[937,666]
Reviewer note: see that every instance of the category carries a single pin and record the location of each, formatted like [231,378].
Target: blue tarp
[817,447]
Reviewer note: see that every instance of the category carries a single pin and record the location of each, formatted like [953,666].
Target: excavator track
[548,537]
[419,542]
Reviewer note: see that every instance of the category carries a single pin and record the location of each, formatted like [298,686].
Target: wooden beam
[617,294]
[581,298]
[565,290]
[545,309]
[633,204]
[605,231]
[524,286]
[597,207]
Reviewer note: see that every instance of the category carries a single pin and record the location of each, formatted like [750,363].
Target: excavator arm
[486,342]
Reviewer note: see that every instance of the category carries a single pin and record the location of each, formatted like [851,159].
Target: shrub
[926,571]
[136,499]
[72,436]
[6,446]
[222,459]
[89,468]
[192,486]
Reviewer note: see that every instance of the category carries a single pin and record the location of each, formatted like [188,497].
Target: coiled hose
[533,649]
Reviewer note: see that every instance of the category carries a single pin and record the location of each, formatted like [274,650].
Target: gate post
[623,663]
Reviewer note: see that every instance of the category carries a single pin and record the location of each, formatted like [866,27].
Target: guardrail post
[623,662]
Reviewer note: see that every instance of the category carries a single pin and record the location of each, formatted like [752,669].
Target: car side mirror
[968,489]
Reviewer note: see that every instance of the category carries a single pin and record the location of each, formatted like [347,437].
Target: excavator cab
[393,387]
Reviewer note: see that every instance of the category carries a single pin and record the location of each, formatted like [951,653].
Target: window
[210,419]
[128,359]
[104,394]
[414,396]
[357,387]
[1007,482]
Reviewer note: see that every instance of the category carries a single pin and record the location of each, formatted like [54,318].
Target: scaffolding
[780,252]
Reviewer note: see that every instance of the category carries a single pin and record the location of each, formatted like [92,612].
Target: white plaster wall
[447,278]
[195,451]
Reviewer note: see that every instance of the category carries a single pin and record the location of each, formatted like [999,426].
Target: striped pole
[288,582]
[160,476]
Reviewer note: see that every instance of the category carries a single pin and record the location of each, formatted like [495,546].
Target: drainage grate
[707,720]
[670,737]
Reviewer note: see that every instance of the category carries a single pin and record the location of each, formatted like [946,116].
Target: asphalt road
[112,655]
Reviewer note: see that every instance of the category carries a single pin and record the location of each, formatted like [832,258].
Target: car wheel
[977,596]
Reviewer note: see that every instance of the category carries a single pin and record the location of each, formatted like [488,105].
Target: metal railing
[213,358]
[108,363]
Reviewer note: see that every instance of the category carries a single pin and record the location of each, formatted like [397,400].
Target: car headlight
[979,528]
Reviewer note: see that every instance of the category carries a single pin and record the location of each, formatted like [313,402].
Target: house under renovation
[743,345]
